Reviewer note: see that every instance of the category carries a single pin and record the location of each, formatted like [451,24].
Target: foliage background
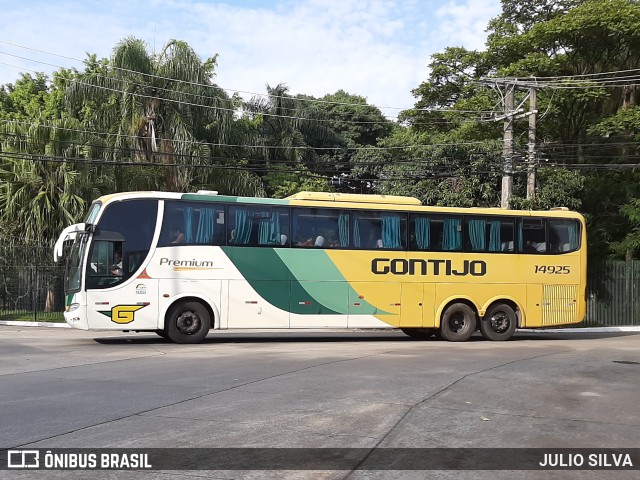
[139,120]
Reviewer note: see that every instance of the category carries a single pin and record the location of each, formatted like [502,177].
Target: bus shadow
[267,338]
[350,337]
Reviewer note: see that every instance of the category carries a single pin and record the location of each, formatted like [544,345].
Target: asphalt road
[62,388]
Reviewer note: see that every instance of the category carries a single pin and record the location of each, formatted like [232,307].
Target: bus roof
[339,200]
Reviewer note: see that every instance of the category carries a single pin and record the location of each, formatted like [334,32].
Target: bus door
[117,296]
[417,304]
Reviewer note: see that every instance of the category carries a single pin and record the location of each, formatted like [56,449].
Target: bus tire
[458,323]
[419,333]
[499,323]
[187,322]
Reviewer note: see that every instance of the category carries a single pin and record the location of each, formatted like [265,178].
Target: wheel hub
[500,322]
[188,323]
[457,323]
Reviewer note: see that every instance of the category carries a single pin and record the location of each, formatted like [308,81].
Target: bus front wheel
[458,323]
[499,323]
[187,322]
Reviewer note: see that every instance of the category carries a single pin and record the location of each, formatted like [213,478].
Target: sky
[378,49]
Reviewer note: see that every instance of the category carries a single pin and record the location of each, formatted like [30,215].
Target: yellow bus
[180,264]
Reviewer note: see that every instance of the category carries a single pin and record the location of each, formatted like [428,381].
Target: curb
[16,323]
[582,330]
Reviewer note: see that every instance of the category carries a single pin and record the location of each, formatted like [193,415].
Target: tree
[154,105]
[358,128]
[568,45]
[40,193]
[286,129]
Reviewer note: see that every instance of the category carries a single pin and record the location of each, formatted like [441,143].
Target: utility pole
[507,148]
[532,164]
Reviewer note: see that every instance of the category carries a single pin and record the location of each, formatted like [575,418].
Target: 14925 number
[557,269]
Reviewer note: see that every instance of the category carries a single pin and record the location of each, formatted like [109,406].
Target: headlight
[72,307]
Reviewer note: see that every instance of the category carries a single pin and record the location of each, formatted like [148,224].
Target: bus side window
[489,234]
[320,228]
[532,237]
[258,226]
[563,235]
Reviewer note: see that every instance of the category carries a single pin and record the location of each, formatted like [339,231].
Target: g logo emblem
[123,314]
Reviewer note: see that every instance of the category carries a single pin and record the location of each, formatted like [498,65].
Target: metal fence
[35,292]
[31,293]
[615,297]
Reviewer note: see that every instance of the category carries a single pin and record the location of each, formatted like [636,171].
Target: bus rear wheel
[419,333]
[458,323]
[187,322]
[499,323]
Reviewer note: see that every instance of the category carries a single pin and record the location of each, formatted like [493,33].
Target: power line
[190,142]
[386,176]
[435,110]
[564,84]
[249,111]
[318,163]
[246,111]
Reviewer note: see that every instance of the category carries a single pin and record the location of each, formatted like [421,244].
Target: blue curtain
[269,230]
[520,236]
[573,235]
[423,233]
[188,225]
[206,226]
[294,227]
[495,245]
[391,231]
[357,243]
[243,227]
[452,234]
[343,229]
[477,237]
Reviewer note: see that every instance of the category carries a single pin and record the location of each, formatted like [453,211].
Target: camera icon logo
[23,459]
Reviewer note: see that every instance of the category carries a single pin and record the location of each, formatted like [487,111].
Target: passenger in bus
[307,242]
[116,268]
[531,246]
[177,236]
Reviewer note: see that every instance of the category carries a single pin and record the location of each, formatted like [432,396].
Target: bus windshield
[121,241]
[73,272]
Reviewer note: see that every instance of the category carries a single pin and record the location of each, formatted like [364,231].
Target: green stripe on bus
[327,279]
[269,275]
[315,285]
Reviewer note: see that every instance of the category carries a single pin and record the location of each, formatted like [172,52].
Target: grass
[22,316]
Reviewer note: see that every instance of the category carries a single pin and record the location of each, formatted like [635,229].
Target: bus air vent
[354,198]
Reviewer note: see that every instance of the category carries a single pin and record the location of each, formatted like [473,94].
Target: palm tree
[288,123]
[287,128]
[40,192]
[154,105]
